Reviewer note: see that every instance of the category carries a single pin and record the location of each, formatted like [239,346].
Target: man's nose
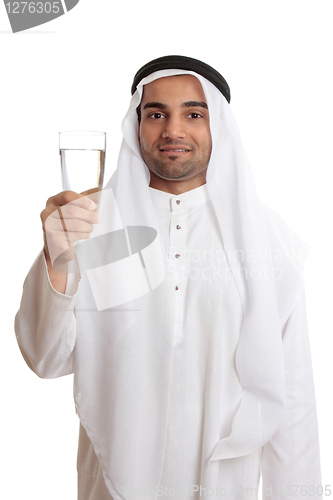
[174,129]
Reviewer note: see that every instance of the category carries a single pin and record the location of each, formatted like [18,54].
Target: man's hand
[67,217]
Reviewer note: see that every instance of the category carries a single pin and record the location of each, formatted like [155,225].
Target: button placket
[179,213]
[177,234]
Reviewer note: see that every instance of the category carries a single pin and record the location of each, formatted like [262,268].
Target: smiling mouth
[178,150]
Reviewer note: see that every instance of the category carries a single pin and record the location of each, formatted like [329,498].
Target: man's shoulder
[288,253]
[284,239]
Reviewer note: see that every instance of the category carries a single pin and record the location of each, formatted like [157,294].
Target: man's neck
[176,187]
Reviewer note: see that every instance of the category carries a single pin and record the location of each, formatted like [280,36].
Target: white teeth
[175,150]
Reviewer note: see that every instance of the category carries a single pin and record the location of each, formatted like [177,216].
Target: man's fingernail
[92,205]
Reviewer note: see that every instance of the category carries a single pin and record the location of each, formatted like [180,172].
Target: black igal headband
[186,63]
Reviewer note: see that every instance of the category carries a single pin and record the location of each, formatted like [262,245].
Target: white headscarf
[124,354]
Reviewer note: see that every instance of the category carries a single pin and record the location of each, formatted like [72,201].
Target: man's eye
[156,116]
[195,115]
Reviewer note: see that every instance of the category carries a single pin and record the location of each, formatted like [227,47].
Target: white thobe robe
[191,238]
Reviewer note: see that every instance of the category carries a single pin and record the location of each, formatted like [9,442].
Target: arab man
[183,316]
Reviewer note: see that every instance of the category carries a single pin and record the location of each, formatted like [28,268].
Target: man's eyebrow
[188,104]
[195,104]
[158,105]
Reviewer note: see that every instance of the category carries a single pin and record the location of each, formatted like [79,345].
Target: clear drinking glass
[82,156]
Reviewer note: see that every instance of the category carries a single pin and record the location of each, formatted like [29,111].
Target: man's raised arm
[45,324]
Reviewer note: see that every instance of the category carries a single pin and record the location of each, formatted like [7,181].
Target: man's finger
[71,197]
[70,211]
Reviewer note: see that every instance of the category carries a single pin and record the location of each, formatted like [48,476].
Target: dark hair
[138,112]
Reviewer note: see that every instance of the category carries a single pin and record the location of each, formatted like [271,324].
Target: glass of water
[82,156]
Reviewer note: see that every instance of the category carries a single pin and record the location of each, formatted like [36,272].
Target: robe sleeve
[290,463]
[45,324]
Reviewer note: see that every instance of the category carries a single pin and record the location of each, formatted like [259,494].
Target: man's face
[174,131]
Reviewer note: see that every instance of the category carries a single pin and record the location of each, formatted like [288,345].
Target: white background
[75,73]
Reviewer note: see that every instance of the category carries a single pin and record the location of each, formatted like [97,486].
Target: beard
[176,167]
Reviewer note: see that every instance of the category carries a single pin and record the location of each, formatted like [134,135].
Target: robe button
[178,226]
[176,287]
[177,255]
[177,201]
